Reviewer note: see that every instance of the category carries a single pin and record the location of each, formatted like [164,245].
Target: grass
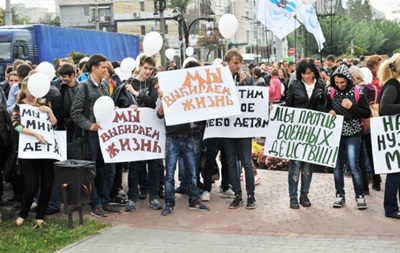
[54,236]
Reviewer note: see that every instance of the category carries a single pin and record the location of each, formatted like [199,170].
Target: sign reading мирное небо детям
[129,135]
[385,142]
[253,120]
[304,135]
[199,93]
[29,147]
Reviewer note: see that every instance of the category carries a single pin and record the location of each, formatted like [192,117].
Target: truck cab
[15,43]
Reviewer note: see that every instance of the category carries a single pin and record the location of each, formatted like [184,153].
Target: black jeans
[213,146]
[35,172]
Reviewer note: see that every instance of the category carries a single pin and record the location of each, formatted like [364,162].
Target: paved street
[272,227]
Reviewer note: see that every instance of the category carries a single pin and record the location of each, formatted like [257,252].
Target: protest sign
[29,147]
[304,135]
[253,120]
[196,94]
[385,144]
[130,135]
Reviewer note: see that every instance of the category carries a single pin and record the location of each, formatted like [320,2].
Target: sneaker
[251,202]
[238,201]
[228,194]
[180,190]
[111,209]
[119,200]
[376,187]
[304,201]
[155,204]
[143,195]
[205,196]
[340,201]
[98,212]
[257,180]
[130,206]
[198,206]
[168,209]
[361,204]
[294,204]
[50,211]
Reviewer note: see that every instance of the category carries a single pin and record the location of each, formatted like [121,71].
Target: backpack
[365,123]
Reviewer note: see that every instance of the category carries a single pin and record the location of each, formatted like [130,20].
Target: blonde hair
[389,69]
[356,72]
[24,86]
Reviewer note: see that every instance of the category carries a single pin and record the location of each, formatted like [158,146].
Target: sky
[385,6]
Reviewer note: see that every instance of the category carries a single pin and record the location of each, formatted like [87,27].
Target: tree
[50,19]
[210,40]
[16,19]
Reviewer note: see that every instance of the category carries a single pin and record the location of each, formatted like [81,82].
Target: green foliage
[50,238]
[50,19]
[77,56]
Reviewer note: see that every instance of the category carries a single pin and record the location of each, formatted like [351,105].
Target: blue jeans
[294,176]
[349,150]
[105,172]
[392,189]
[239,147]
[176,147]
[198,148]
[152,181]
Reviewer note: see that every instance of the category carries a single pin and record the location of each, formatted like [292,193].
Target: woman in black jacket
[389,75]
[307,92]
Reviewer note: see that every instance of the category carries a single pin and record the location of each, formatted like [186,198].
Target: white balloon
[228,25]
[47,68]
[189,59]
[38,85]
[140,56]
[217,61]
[152,43]
[189,51]
[84,59]
[308,1]
[128,65]
[103,108]
[367,75]
[122,75]
[170,53]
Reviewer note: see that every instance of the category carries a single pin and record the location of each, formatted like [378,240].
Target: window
[143,30]
[141,6]
[86,11]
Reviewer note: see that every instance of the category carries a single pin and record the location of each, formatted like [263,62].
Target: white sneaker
[228,194]
[205,196]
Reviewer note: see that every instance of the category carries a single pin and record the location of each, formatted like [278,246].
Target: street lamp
[185,29]
[159,7]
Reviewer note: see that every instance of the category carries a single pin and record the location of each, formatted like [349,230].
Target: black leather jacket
[297,96]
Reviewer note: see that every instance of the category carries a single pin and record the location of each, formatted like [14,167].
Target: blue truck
[38,43]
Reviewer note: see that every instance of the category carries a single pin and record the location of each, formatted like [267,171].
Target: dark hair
[257,72]
[66,69]
[330,58]
[116,64]
[9,69]
[192,64]
[23,71]
[149,60]
[81,64]
[94,61]
[251,65]
[291,63]
[302,67]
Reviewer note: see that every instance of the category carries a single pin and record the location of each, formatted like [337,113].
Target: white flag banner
[278,16]
[196,94]
[385,144]
[29,147]
[306,14]
[303,135]
[252,122]
[130,135]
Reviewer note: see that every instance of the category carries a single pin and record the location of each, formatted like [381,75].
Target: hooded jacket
[359,110]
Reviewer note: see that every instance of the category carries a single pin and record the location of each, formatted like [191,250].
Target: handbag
[78,149]
[374,108]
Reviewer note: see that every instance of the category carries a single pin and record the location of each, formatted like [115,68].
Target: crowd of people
[336,87]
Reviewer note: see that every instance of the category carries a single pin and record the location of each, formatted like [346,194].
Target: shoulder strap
[86,102]
[357,93]
[332,93]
